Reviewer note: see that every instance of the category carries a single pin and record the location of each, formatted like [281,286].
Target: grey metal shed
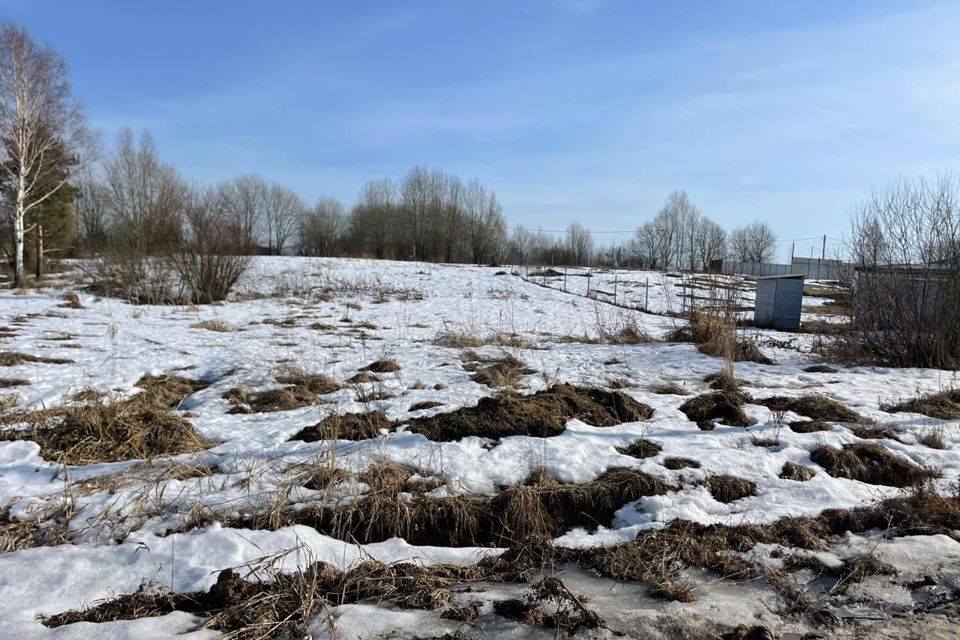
[779,302]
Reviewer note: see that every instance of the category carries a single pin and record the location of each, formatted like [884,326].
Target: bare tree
[91,204]
[521,245]
[906,296]
[244,199]
[755,242]
[322,227]
[282,212]
[579,244]
[146,197]
[38,114]
[215,248]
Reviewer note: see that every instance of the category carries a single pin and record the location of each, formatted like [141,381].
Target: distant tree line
[142,219]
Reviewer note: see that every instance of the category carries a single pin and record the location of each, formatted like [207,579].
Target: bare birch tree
[38,115]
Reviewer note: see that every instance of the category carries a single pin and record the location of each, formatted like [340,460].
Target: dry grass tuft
[669,388]
[727,488]
[869,462]
[425,404]
[724,381]
[348,426]
[303,390]
[933,438]
[14,358]
[469,340]
[501,371]
[71,301]
[364,377]
[108,430]
[794,471]
[814,406]
[809,426]
[220,326]
[641,449]
[724,406]
[944,405]
[714,334]
[675,464]
[543,414]
[384,365]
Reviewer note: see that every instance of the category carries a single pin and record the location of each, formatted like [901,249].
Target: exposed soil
[426,404]
[543,414]
[13,382]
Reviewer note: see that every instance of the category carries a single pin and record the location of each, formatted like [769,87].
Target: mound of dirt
[140,427]
[868,462]
[724,406]
[543,414]
[348,426]
[814,406]
[944,405]
[13,382]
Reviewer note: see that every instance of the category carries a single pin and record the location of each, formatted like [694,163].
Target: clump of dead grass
[496,372]
[641,449]
[456,339]
[347,426]
[815,407]
[943,406]
[794,471]
[709,408]
[14,358]
[71,301]
[869,462]
[110,430]
[675,464]
[669,388]
[809,426]
[714,334]
[219,326]
[726,488]
[543,414]
[302,390]
[384,365]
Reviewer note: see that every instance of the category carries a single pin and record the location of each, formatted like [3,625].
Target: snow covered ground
[334,317]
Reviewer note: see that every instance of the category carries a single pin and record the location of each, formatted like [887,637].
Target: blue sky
[585,110]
